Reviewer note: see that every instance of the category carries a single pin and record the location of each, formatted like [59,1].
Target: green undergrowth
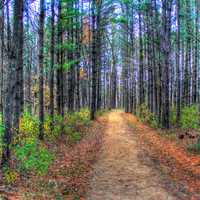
[194,148]
[189,120]
[189,117]
[146,116]
[101,112]
[32,155]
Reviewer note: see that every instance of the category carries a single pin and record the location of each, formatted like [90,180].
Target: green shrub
[57,126]
[74,137]
[190,117]
[29,125]
[84,116]
[74,122]
[77,119]
[195,148]
[33,157]
[146,116]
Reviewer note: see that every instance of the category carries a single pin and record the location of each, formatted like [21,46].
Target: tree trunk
[2,46]
[196,54]
[141,62]
[165,49]
[178,78]
[18,45]
[51,81]
[94,63]
[41,69]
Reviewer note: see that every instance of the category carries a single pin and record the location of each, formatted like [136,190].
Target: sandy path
[119,173]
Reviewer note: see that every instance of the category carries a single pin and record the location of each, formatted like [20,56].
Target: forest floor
[119,158]
[128,169]
[68,177]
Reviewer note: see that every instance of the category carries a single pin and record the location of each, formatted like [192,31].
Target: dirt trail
[119,173]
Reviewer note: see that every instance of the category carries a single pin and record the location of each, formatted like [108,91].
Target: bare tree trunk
[196,54]
[71,73]
[2,46]
[51,81]
[178,78]
[41,69]
[78,35]
[18,45]
[11,89]
[94,64]
[187,71]
[165,48]
[141,64]
[98,46]
[59,75]
[28,70]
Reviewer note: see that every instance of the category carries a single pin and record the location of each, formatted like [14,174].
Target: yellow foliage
[10,176]
[28,127]
[82,73]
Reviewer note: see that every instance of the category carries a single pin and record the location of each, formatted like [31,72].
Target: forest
[100,99]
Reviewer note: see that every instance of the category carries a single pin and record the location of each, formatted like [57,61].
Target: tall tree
[41,68]
[59,57]
[196,54]
[71,73]
[187,70]
[178,78]
[141,57]
[13,82]
[99,31]
[51,81]
[94,64]
[166,49]
[2,46]
[18,45]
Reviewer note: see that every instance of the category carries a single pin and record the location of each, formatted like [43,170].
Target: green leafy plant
[78,119]
[74,122]
[29,125]
[146,116]
[57,126]
[32,156]
[190,117]
[75,137]
[195,148]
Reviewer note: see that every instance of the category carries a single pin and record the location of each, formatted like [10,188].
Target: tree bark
[178,78]
[51,81]
[18,45]
[41,69]
[94,63]
[165,49]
